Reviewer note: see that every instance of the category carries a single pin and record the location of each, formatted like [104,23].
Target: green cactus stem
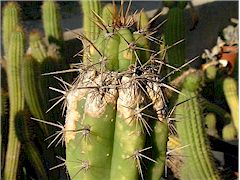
[140,37]
[16,98]
[174,32]
[211,72]
[91,30]
[211,122]
[90,129]
[126,54]
[198,161]
[4,125]
[229,132]
[11,18]
[159,138]
[108,13]
[32,91]
[25,134]
[231,94]
[129,136]
[37,47]
[160,131]
[52,22]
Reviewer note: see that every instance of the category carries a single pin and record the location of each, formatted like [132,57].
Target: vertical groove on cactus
[14,58]
[191,130]
[10,22]
[231,94]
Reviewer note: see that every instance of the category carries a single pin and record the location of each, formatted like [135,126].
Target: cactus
[90,8]
[37,48]
[16,98]
[11,18]
[231,95]
[198,161]
[51,22]
[174,35]
[32,91]
[211,72]
[211,122]
[25,135]
[229,132]
[118,121]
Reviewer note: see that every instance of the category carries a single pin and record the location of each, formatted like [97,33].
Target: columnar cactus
[11,18]
[174,34]
[231,94]
[198,161]
[16,98]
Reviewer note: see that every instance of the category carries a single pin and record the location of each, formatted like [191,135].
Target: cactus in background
[51,22]
[16,98]
[11,18]
[118,120]
[32,91]
[211,72]
[90,8]
[231,95]
[140,37]
[211,122]
[25,134]
[229,132]
[174,35]
[198,161]
[37,48]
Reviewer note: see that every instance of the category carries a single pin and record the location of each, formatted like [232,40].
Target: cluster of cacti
[120,110]
[28,90]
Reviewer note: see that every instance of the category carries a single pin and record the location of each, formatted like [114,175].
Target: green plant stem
[16,96]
